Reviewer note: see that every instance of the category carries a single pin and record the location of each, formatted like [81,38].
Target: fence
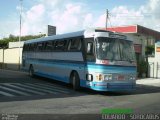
[154,69]
[158,70]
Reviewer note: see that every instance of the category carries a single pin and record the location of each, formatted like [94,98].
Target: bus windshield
[114,49]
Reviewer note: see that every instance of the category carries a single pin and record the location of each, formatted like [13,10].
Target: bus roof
[54,37]
[88,33]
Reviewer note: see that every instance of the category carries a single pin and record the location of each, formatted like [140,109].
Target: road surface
[20,94]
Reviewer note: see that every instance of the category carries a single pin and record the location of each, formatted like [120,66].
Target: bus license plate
[121,77]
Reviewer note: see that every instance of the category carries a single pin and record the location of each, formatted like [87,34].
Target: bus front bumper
[103,86]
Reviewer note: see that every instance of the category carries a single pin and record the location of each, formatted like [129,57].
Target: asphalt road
[24,96]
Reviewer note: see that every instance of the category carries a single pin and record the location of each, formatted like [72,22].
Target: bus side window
[35,45]
[27,47]
[24,48]
[60,45]
[69,45]
[43,47]
[66,45]
[39,47]
[75,44]
[30,47]
[48,46]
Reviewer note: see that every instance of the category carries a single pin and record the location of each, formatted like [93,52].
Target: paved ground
[16,85]
[20,94]
[149,81]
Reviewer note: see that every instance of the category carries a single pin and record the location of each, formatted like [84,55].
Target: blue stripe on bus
[57,64]
[110,69]
[57,61]
[59,78]
[52,76]
[101,66]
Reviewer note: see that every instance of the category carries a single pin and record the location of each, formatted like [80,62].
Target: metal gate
[151,69]
[158,70]
[154,69]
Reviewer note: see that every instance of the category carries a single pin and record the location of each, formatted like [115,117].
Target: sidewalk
[149,81]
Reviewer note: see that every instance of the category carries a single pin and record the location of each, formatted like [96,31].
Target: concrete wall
[11,58]
[1,55]
[16,44]
[1,58]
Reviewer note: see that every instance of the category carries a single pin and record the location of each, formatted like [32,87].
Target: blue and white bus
[96,59]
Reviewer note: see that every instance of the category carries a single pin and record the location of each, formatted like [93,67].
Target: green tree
[149,50]
[4,42]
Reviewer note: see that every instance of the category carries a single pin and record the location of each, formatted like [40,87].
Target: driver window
[90,50]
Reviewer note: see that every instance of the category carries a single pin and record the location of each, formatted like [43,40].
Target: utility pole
[107,16]
[20,22]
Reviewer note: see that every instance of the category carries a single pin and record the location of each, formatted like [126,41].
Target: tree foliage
[4,42]
[149,50]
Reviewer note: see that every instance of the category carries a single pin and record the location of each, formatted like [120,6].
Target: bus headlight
[100,77]
[132,78]
[108,77]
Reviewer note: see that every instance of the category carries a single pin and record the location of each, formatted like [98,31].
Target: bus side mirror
[90,48]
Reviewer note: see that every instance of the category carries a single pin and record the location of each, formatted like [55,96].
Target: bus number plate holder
[121,77]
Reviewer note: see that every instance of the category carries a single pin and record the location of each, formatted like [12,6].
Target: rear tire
[75,81]
[31,71]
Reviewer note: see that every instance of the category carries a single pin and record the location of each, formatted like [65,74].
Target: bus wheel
[75,81]
[31,71]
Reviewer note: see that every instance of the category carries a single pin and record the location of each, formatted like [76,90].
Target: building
[141,36]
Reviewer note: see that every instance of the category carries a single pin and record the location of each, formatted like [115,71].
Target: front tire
[75,81]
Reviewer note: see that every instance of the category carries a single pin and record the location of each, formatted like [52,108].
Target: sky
[75,15]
